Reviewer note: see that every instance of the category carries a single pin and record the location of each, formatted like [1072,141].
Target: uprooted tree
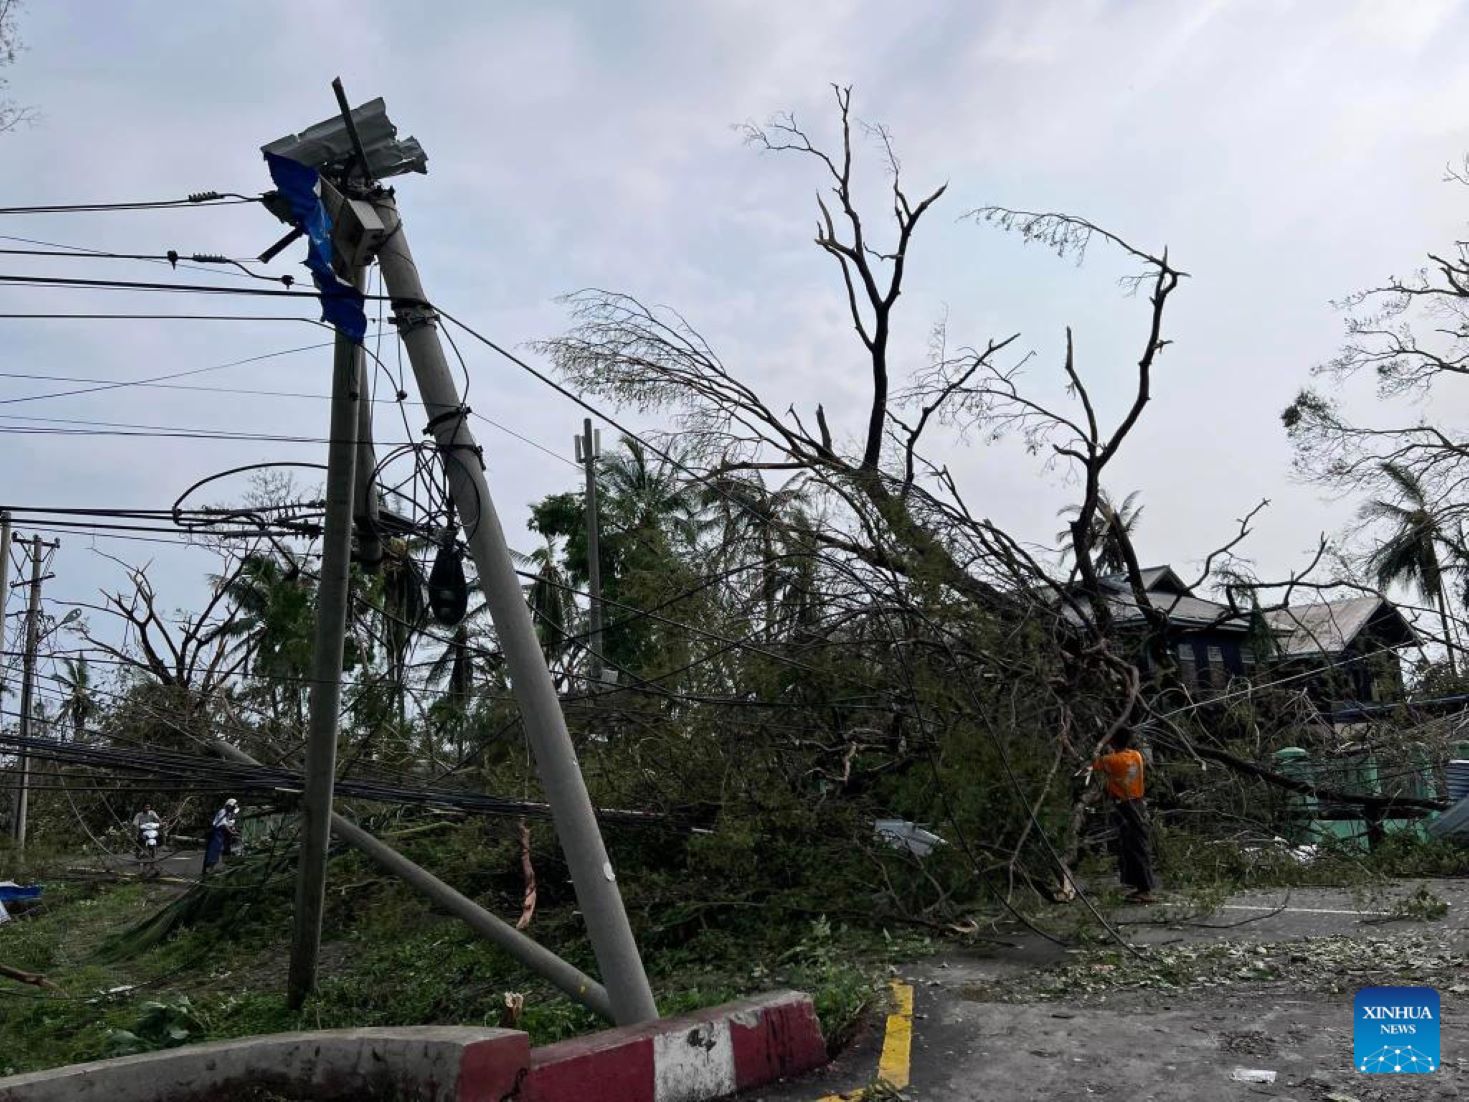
[965,630]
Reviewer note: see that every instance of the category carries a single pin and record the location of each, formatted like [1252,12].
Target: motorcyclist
[146,817]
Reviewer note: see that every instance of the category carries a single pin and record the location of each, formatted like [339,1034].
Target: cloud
[1287,153]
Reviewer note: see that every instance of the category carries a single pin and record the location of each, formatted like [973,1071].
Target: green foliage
[159,1024]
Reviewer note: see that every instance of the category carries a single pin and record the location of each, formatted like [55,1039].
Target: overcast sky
[1285,153]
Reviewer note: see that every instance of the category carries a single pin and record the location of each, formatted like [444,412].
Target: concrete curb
[706,1055]
[698,1057]
[433,1063]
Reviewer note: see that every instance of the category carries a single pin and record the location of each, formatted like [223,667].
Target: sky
[1286,154]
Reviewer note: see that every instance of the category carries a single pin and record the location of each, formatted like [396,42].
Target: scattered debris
[1252,1075]
[1327,964]
[1251,1042]
[1422,906]
[514,1008]
[905,834]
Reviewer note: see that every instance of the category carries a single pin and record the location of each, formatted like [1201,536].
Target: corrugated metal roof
[1182,610]
[1192,611]
[1453,823]
[1325,628]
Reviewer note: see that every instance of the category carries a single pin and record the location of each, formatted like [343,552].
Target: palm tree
[1112,530]
[455,669]
[404,613]
[747,521]
[275,626]
[79,704]
[643,492]
[551,599]
[1410,555]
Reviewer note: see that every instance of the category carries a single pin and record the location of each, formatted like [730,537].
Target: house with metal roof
[1210,641]
[1340,652]
[1345,651]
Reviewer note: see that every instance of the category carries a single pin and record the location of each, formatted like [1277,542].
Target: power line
[150,379]
[76,283]
[262,778]
[72,316]
[197,262]
[250,392]
[196,199]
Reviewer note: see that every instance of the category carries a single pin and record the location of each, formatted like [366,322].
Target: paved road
[181,864]
[974,1037]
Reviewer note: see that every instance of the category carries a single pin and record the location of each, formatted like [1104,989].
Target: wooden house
[1340,652]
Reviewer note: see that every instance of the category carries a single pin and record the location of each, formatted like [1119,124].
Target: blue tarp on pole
[341,303]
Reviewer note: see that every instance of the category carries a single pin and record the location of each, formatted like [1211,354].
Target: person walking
[221,834]
[1122,768]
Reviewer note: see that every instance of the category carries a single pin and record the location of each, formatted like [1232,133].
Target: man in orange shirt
[1122,767]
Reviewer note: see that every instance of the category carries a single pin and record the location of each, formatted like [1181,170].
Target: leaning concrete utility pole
[27,676]
[545,726]
[332,595]
[588,450]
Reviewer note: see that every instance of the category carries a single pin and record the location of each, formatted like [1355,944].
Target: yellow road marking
[895,1065]
[897,1044]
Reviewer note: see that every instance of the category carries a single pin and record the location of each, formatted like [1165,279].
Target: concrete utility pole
[4,594]
[545,726]
[326,673]
[4,623]
[588,451]
[27,676]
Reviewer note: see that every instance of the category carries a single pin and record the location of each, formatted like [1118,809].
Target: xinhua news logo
[1396,1031]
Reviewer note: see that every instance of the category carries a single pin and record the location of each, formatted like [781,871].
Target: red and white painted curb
[702,1056]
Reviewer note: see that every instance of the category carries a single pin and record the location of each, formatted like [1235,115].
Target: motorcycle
[148,838]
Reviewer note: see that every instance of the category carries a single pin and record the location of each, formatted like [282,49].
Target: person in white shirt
[144,818]
[221,834]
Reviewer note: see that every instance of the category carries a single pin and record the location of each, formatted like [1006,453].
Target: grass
[388,960]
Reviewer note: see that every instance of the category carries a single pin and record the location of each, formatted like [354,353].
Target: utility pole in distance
[4,623]
[4,594]
[588,451]
[27,676]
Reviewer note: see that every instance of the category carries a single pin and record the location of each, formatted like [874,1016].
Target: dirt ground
[1264,982]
